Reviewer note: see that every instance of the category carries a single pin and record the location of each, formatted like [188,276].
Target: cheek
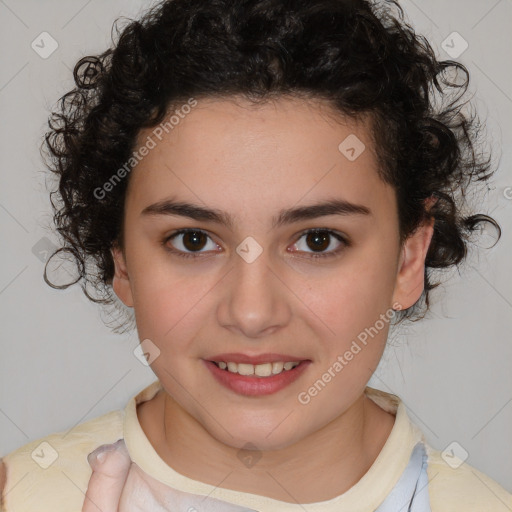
[356,307]
[171,303]
[354,297]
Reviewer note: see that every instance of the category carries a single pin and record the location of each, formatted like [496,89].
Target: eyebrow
[286,216]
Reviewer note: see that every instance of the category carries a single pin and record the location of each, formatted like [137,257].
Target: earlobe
[410,280]
[121,280]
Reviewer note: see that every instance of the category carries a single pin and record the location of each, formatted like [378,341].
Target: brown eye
[194,240]
[186,242]
[317,241]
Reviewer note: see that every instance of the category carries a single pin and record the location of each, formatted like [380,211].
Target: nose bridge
[254,302]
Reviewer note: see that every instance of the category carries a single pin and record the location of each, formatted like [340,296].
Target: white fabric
[143,493]
[410,494]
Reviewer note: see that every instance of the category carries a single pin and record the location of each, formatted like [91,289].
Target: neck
[342,452]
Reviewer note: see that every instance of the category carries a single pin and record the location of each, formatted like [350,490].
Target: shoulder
[52,473]
[455,485]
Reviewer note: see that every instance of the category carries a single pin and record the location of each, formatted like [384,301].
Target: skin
[252,162]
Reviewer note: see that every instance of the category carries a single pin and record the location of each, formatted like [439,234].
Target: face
[287,251]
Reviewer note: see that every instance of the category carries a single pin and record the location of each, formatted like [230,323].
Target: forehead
[253,156]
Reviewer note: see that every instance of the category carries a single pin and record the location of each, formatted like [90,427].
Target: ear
[410,280]
[121,280]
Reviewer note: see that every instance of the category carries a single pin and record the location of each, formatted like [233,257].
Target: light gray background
[61,366]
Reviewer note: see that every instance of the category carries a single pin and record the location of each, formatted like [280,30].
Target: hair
[361,57]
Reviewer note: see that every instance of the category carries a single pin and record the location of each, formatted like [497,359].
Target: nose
[255,299]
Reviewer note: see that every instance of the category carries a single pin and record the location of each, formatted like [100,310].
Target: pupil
[195,237]
[320,241]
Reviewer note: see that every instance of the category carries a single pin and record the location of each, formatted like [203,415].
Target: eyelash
[331,254]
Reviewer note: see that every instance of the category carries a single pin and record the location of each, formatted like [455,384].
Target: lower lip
[252,385]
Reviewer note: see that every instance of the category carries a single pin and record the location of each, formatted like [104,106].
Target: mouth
[250,379]
[258,370]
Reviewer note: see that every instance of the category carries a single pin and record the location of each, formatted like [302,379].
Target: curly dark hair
[362,57]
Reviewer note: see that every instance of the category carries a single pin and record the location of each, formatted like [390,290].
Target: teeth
[260,370]
[277,368]
[245,369]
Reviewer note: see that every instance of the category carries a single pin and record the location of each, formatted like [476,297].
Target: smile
[260,370]
[256,380]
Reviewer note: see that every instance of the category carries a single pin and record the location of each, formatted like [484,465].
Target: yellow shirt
[51,474]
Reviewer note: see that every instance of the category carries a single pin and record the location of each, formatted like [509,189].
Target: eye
[188,242]
[319,240]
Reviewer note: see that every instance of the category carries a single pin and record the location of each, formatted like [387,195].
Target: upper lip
[257,359]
